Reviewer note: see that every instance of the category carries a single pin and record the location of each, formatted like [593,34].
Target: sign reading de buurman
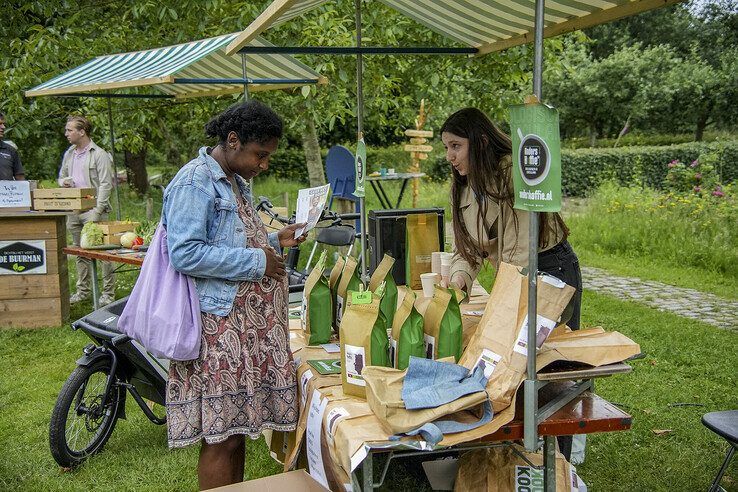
[536,157]
[22,257]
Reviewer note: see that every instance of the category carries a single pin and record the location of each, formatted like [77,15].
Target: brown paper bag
[503,470]
[421,241]
[333,280]
[500,342]
[384,395]
[349,281]
[594,347]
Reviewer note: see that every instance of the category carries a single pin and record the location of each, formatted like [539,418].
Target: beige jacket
[98,171]
[514,246]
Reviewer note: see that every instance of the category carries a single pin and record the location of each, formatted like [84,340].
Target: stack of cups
[429,280]
[446,259]
[436,262]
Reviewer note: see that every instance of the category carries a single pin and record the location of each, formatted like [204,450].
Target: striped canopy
[199,68]
[488,25]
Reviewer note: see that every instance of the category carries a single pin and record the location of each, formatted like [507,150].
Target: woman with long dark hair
[485,224]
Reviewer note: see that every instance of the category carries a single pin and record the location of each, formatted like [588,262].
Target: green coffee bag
[407,333]
[316,315]
[383,273]
[363,338]
[333,280]
[350,281]
[442,325]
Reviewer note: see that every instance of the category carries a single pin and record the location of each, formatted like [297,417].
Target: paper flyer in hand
[310,204]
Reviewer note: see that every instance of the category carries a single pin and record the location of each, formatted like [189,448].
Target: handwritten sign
[15,194]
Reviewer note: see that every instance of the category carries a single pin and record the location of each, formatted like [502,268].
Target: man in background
[86,165]
[10,163]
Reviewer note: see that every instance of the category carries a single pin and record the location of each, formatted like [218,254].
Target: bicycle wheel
[80,422]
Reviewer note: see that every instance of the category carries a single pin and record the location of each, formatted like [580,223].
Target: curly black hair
[252,121]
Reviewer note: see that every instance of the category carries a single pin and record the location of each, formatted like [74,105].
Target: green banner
[360,167]
[536,151]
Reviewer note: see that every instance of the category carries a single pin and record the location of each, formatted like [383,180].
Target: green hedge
[583,170]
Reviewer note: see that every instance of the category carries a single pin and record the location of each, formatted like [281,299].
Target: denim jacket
[206,237]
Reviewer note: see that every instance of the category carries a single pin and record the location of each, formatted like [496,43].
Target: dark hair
[252,121]
[2,115]
[81,123]
[487,177]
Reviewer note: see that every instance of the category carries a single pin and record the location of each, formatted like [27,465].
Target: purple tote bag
[163,310]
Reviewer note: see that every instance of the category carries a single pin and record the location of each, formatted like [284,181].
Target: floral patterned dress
[244,379]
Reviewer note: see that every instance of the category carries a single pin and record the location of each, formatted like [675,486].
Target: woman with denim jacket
[485,224]
[243,381]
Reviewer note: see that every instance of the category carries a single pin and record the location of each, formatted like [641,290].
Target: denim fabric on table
[430,383]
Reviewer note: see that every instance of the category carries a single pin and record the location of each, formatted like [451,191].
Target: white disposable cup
[445,270]
[436,261]
[429,280]
[391,170]
[446,259]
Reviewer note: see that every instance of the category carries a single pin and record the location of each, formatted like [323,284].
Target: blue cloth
[206,237]
[430,383]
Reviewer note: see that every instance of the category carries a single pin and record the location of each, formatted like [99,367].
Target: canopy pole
[245,79]
[531,383]
[112,153]
[360,135]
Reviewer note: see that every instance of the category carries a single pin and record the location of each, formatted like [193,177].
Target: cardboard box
[63,193]
[117,227]
[112,238]
[283,482]
[64,204]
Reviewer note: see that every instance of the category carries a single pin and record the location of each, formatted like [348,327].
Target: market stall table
[384,200]
[120,255]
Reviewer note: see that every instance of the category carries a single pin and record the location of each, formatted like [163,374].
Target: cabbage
[92,235]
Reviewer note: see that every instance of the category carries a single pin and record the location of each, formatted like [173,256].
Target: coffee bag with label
[407,333]
[442,325]
[421,240]
[316,316]
[383,273]
[350,281]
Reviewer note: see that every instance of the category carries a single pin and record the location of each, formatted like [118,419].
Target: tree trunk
[592,135]
[699,132]
[311,147]
[137,166]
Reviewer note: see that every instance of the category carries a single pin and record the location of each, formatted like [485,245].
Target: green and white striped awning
[199,68]
[488,25]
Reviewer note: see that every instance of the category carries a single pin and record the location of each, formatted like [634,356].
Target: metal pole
[246,98]
[360,134]
[112,152]
[531,384]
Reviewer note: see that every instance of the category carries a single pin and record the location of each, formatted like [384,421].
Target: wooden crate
[111,227]
[112,238]
[65,204]
[63,193]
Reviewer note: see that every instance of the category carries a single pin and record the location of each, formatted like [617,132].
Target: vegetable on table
[92,235]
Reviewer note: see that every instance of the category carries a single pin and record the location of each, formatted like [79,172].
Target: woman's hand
[274,263]
[287,235]
[458,282]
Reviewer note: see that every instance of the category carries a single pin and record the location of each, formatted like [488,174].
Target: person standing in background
[10,162]
[86,165]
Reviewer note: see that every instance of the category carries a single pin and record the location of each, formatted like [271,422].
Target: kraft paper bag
[500,342]
[383,273]
[333,280]
[407,337]
[349,281]
[420,241]
[384,395]
[503,470]
[442,326]
[364,342]
[316,315]
[594,347]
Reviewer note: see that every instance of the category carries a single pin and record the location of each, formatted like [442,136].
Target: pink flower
[672,164]
[695,163]
[698,176]
[697,189]
[718,193]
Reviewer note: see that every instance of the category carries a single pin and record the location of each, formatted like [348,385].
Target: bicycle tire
[103,418]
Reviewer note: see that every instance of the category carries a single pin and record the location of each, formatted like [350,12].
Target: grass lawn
[687,362]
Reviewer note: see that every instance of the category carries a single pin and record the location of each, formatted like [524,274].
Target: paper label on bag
[543,328]
[303,312]
[430,346]
[422,258]
[313,433]
[488,360]
[331,348]
[339,310]
[334,416]
[551,280]
[393,352]
[361,297]
[528,479]
[304,380]
[354,363]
